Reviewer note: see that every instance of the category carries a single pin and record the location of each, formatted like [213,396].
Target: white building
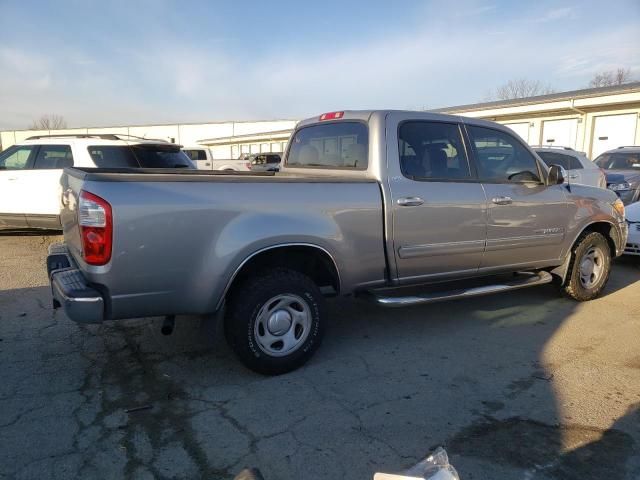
[592,120]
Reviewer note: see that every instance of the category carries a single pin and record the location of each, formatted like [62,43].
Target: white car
[579,168]
[632,213]
[30,190]
[202,157]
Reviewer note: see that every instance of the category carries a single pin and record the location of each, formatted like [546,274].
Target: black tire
[255,295]
[574,286]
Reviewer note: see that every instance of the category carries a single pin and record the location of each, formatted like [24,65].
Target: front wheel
[275,321]
[590,267]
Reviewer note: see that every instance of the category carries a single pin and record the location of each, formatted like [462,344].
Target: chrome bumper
[81,302]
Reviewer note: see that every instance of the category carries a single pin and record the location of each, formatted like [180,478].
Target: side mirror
[557,175]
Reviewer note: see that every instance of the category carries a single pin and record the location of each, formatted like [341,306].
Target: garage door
[613,131]
[521,128]
[563,133]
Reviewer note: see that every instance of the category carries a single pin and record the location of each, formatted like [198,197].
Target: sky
[113,62]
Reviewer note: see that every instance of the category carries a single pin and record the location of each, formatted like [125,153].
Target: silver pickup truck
[403,208]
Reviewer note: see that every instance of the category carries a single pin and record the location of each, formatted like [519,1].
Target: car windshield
[619,161]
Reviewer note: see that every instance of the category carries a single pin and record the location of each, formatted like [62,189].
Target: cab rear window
[342,145]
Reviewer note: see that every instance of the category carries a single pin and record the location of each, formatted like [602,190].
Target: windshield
[331,145]
[619,161]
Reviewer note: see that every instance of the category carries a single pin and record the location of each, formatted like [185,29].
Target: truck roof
[367,115]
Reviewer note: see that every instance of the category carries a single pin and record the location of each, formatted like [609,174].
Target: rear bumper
[81,302]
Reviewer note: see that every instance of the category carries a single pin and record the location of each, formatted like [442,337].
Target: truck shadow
[477,376]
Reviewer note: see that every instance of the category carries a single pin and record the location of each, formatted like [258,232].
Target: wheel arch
[307,258]
[606,228]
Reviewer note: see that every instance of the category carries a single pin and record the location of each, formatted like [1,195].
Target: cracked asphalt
[526,385]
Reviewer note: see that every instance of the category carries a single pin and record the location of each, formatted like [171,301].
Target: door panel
[526,218]
[437,205]
[528,230]
[563,133]
[13,163]
[613,131]
[443,235]
[40,189]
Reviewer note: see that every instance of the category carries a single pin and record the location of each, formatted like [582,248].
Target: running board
[529,280]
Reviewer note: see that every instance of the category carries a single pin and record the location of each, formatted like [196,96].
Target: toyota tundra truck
[403,208]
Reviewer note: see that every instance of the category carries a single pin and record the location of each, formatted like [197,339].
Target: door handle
[410,201]
[502,200]
[573,176]
[11,179]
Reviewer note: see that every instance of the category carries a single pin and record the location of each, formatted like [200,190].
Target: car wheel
[275,321]
[590,267]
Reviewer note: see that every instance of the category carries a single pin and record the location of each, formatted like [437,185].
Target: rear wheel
[275,321]
[590,267]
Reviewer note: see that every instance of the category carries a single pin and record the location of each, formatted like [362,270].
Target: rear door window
[53,157]
[432,150]
[160,156]
[554,158]
[16,157]
[332,145]
[113,156]
[196,154]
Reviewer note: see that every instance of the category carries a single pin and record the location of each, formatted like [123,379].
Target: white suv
[580,169]
[30,191]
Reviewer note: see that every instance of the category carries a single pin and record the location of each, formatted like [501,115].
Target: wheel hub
[279,322]
[591,267]
[282,324]
[587,267]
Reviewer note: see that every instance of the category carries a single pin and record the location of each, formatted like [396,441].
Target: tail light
[96,228]
[248,165]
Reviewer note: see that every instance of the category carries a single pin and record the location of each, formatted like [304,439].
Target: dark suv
[622,166]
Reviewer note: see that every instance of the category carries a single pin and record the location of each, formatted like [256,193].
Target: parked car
[579,168]
[404,208]
[265,162]
[30,171]
[203,159]
[633,219]
[622,166]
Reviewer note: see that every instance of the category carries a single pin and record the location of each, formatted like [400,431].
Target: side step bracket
[522,280]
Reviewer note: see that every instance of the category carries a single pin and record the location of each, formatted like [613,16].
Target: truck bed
[179,235]
[189,175]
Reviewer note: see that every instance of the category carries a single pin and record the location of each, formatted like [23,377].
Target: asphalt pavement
[524,385]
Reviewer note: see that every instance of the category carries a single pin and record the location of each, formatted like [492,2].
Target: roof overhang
[278,135]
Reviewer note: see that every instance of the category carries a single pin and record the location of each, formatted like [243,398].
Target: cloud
[436,62]
[556,14]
